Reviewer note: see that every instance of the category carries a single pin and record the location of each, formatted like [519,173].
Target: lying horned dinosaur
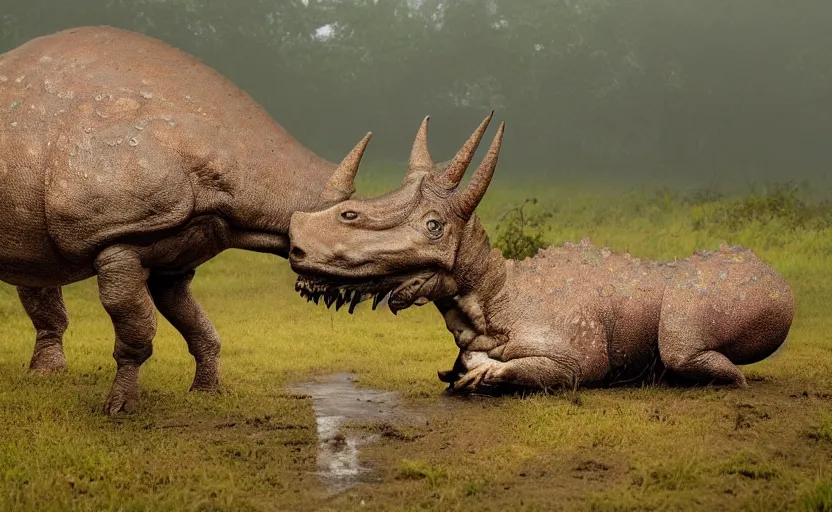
[572,315]
[125,158]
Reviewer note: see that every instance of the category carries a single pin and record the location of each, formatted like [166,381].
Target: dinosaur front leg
[175,300]
[456,371]
[478,366]
[488,346]
[122,289]
[45,308]
[536,372]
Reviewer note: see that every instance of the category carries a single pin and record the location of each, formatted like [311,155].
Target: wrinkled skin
[124,158]
[571,316]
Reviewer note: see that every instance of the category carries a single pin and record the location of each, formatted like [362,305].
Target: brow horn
[453,174]
[466,201]
[420,159]
[341,185]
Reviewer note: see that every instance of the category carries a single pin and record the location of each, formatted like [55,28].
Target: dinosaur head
[402,245]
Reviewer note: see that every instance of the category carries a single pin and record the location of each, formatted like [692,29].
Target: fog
[663,91]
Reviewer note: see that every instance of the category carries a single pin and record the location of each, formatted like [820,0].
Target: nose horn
[340,186]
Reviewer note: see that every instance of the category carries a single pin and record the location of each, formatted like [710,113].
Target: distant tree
[589,84]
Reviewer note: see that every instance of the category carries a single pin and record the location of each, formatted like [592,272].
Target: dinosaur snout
[296,254]
[315,247]
[297,235]
[299,259]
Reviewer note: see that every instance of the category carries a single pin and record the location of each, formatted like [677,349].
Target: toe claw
[447,376]
[472,379]
[483,375]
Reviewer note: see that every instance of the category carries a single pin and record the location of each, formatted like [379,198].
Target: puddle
[337,401]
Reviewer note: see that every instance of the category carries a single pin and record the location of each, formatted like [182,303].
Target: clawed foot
[124,395]
[448,376]
[48,359]
[121,401]
[485,374]
[206,378]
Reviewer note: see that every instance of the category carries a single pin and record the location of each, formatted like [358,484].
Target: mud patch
[748,415]
[340,407]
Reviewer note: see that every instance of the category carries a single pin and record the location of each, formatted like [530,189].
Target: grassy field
[768,447]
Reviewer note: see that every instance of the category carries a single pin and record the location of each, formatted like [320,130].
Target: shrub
[520,232]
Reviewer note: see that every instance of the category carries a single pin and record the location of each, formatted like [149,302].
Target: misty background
[658,91]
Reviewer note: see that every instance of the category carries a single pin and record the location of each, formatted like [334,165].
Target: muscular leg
[685,351]
[707,366]
[688,338]
[122,288]
[173,298]
[528,372]
[46,310]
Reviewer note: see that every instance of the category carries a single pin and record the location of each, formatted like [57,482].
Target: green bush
[520,232]
[779,202]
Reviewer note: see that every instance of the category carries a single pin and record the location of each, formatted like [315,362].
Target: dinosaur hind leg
[45,308]
[707,367]
[687,352]
[122,289]
[175,300]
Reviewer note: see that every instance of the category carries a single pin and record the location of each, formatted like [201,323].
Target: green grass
[253,447]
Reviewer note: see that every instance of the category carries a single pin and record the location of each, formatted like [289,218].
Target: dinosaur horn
[420,159]
[456,169]
[466,202]
[340,186]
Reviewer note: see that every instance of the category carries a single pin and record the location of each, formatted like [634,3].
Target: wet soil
[347,418]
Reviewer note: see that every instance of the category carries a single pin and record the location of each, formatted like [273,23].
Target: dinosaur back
[120,124]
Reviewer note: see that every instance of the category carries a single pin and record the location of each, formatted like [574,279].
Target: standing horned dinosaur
[125,158]
[572,315]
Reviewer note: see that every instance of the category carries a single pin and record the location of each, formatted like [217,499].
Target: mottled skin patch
[576,315]
[125,158]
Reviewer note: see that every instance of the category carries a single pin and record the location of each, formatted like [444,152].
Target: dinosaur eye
[349,215]
[434,227]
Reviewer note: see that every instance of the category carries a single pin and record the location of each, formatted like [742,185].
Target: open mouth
[400,291]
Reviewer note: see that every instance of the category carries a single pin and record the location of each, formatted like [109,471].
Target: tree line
[676,85]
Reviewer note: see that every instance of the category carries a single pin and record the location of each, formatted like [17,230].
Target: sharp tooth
[316,297]
[356,298]
[329,298]
[377,299]
[342,298]
[298,286]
